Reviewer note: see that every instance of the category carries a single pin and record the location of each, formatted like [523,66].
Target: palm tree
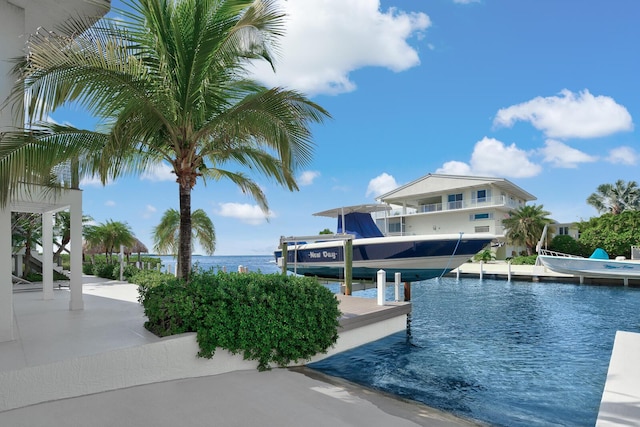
[525,224]
[616,198]
[26,232]
[168,79]
[62,228]
[109,236]
[166,235]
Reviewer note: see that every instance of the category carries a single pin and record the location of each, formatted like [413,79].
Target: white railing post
[397,286]
[382,282]
[481,269]
[121,262]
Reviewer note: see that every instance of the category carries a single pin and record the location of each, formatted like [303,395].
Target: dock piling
[382,282]
[407,291]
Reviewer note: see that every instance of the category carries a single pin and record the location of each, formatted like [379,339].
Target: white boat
[597,265]
[589,267]
[417,257]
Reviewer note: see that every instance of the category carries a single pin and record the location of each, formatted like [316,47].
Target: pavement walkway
[281,397]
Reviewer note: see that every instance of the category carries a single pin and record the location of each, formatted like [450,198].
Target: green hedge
[109,271]
[274,319]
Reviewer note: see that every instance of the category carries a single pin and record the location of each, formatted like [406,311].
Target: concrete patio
[99,366]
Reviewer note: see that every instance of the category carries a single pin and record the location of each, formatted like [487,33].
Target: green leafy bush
[105,270]
[568,245]
[524,260]
[269,318]
[147,279]
[485,255]
[87,268]
[129,271]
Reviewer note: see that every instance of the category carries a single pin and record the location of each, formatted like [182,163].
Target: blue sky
[544,93]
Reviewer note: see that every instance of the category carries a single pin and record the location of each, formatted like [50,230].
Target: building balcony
[500,201]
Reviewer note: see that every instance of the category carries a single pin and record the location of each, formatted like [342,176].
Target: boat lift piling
[347,249]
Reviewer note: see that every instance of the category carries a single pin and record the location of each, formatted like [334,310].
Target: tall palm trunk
[184,246]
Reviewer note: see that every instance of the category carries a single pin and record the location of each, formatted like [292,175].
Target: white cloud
[563,156]
[110,203]
[92,181]
[455,168]
[307,177]
[159,172]
[381,184]
[149,210]
[623,156]
[491,157]
[326,40]
[569,115]
[249,214]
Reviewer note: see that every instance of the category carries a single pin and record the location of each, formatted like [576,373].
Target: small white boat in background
[590,267]
[597,265]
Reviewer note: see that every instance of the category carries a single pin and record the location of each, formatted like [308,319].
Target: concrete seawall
[536,273]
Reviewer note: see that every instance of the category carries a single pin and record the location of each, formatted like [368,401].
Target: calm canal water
[506,353]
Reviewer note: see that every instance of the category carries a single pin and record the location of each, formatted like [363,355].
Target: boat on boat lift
[415,257]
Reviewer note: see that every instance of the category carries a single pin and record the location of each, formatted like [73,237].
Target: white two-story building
[436,204]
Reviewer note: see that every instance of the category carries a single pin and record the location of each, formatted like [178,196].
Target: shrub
[485,255]
[105,270]
[524,260]
[87,268]
[146,279]
[568,245]
[269,318]
[129,271]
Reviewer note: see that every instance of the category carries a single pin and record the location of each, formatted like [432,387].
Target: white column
[382,286]
[6,284]
[19,261]
[121,262]
[75,283]
[47,255]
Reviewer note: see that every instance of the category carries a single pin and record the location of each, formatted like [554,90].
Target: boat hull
[414,257]
[591,267]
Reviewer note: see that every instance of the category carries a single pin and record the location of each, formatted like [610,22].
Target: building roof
[365,208]
[434,184]
[49,14]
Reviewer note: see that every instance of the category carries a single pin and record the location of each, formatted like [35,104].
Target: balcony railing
[457,205]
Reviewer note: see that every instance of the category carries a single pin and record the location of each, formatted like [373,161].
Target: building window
[395,227]
[482,229]
[455,201]
[481,216]
[563,231]
[482,196]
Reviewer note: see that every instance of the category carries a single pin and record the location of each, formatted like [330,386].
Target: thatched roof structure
[136,248]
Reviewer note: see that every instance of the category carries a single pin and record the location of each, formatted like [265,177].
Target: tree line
[107,237]
[615,230]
